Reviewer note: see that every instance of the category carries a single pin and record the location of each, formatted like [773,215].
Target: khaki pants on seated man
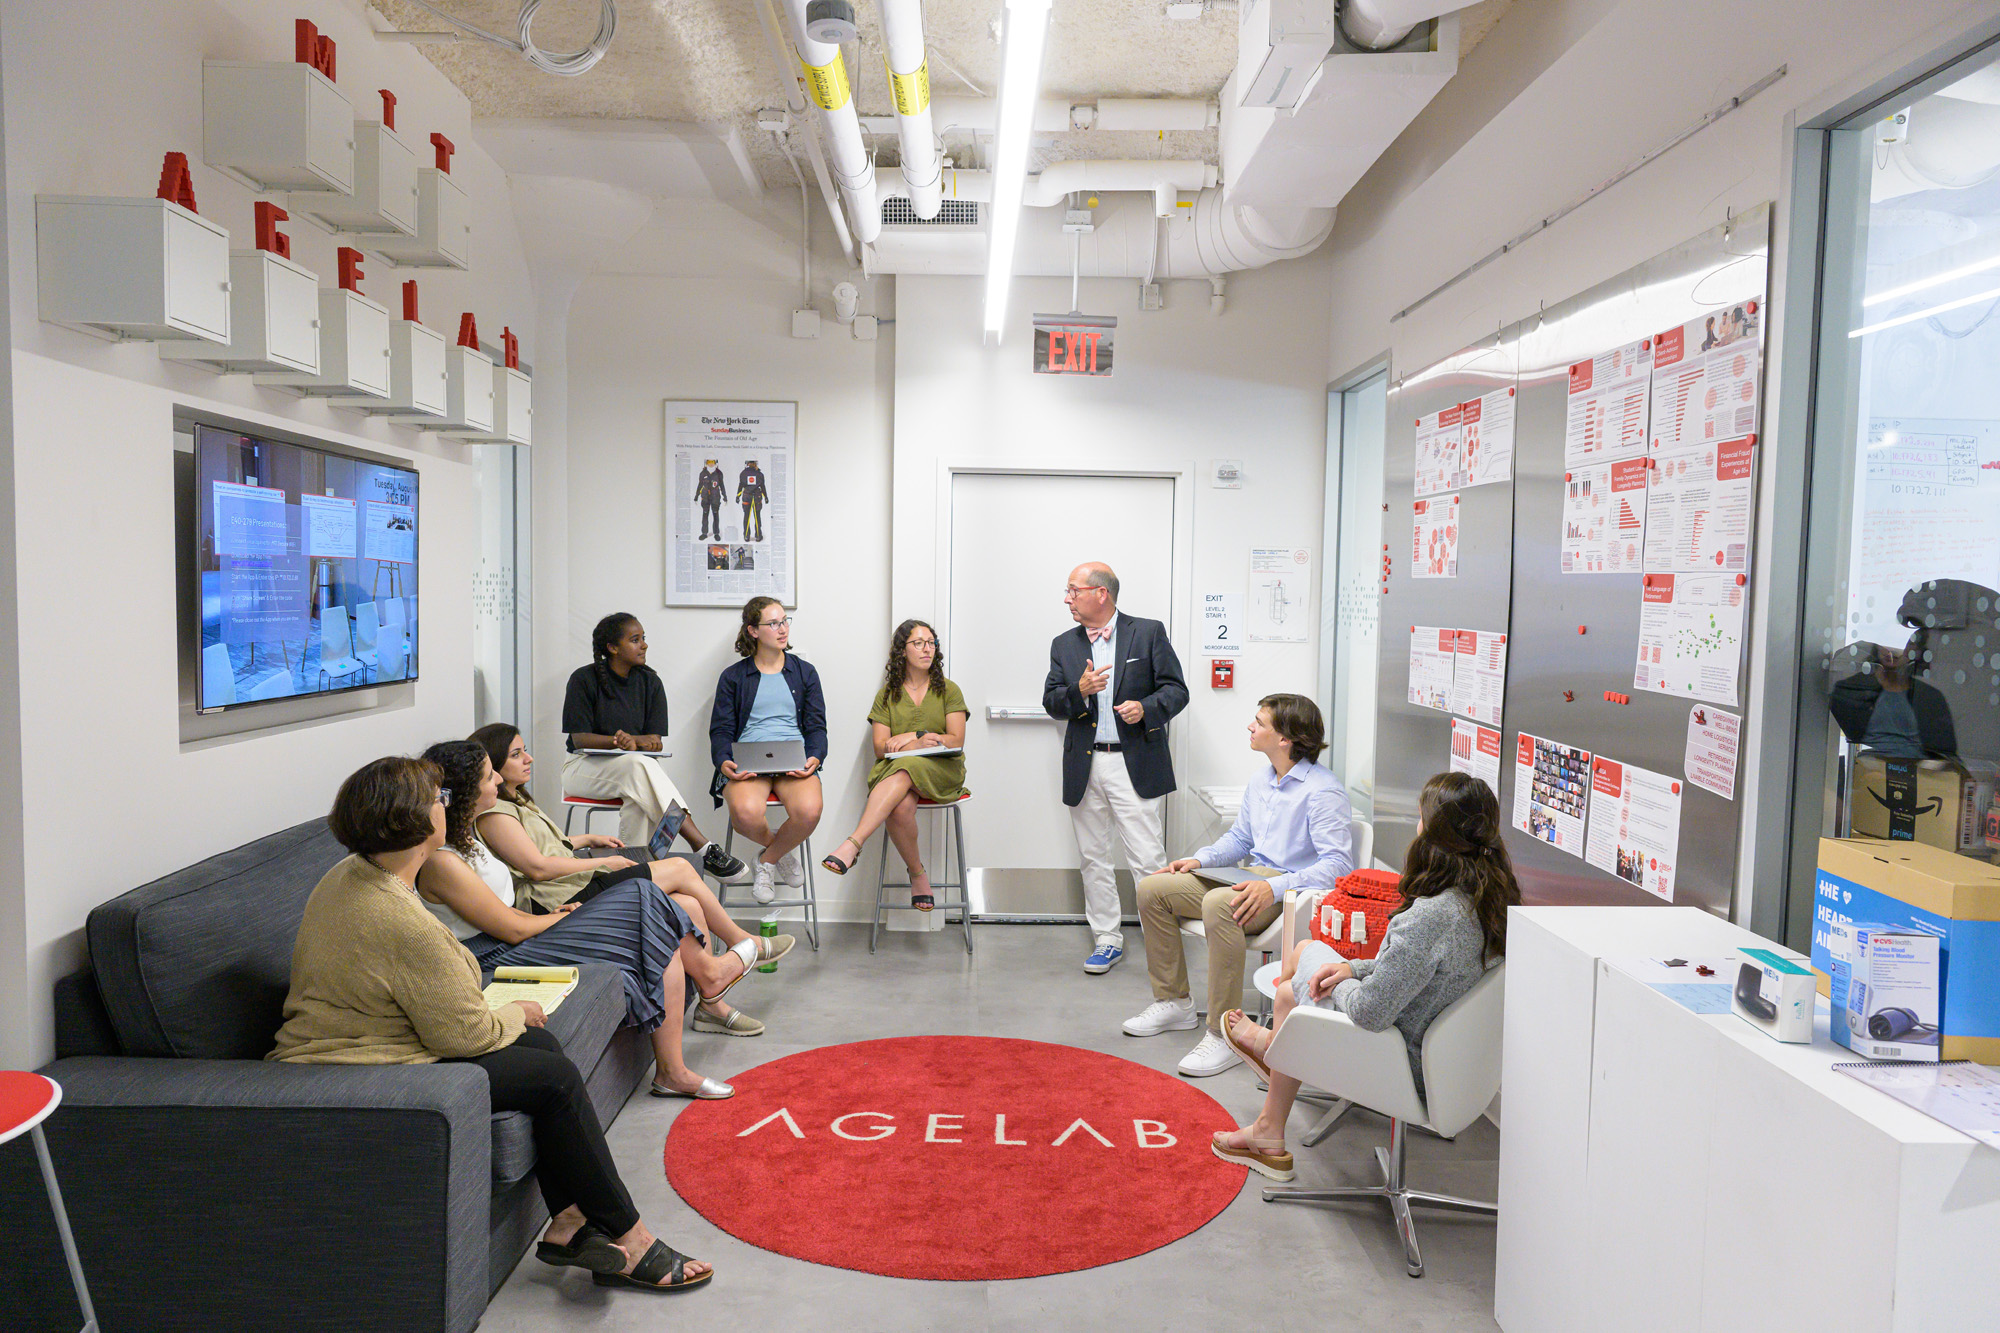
[1167,900]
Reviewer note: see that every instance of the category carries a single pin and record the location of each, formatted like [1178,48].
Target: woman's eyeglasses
[444,797]
[786,623]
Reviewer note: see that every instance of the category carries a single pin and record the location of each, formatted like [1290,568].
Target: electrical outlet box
[1150,297]
[805,323]
[864,328]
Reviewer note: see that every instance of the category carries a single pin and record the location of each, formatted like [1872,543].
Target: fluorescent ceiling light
[1027,24]
[1936,280]
[1974,299]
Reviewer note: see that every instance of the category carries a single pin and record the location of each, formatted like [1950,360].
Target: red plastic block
[444,151]
[510,348]
[468,331]
[176,185]
[268,235]
[388,108]
[410,301]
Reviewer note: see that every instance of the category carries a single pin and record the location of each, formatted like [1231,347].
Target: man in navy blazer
[1116,681]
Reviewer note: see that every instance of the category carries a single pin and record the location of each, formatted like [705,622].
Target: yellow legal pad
[546,986]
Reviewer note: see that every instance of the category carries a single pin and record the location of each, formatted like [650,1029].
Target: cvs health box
[1915,888]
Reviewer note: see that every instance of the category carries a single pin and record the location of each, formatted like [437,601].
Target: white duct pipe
[795,103]
[910,89]
[1380,24]
[1099,175]
[1055,115]
[828,89]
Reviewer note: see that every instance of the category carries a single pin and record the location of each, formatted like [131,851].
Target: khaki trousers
[641,783]
[1167,900]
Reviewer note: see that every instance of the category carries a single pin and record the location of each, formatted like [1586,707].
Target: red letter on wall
[349,260]
[410,301]
[268,235]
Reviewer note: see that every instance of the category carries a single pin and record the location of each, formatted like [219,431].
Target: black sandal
[834,864]
[923,902]
[589,1248]
[662,1260]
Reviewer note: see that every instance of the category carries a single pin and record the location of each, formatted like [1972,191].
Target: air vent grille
[896,212]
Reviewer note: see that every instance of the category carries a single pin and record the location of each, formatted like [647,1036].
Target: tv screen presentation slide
[308,567]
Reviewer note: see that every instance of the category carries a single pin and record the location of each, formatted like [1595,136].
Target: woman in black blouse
[618,703]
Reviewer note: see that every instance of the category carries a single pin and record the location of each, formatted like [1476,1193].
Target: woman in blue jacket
[770,695]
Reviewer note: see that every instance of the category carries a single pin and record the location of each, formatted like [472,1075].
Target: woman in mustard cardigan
[377,979]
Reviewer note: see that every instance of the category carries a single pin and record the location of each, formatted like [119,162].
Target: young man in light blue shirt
[1292,833]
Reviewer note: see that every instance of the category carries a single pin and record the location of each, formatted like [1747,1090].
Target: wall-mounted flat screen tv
[307,563]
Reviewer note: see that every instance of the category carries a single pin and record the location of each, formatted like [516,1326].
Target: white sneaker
[791,870]
[1211,1055]
[761,887]
[1163,1016]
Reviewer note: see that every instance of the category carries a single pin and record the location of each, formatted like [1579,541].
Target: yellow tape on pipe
[827,83]
[913,90]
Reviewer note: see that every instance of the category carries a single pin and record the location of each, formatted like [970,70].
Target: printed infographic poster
[1711,750]
[1486,427]
[1698,508]
[1433,653]
[330,524]
[1604,517]
[1608,397]
[1280,592]
[1479,676]
[1691,636]
[1635,825]
[731,511]
[1435,539]
[1440,465]
[1476,750]
[1705,378]
[1551,791]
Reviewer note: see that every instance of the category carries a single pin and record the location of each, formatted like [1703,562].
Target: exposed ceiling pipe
[1377,25]
[847,155]
[795,103]
[910,89]
[1101,175]
[1056,115]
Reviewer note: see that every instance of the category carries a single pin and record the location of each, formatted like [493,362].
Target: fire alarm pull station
[1221,674]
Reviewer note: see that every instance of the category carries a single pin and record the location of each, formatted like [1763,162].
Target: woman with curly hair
[657,941]
[918,708]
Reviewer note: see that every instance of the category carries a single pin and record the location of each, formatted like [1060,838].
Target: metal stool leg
[956,832]
[881,889]
[811,891]
[62,1227]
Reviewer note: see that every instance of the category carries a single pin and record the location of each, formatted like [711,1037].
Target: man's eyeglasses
[1071,592]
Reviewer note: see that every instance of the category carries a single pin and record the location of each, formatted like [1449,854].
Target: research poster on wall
[731,502]
[1604,517]
[1280,588]
[1705,377]
[1486,433]
[1635,825]
[1608,397]
[1928,508]
[1435,539]
[1691,635]
[1698,508]
[1711,750]
[1440,462]
[1479,676]
[1551,791]
[389,519]
[330,522]
[1433,660]
[1476,750]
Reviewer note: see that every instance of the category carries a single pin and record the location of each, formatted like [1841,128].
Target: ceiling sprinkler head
[831,22]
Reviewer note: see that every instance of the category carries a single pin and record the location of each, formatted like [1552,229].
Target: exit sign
[1074,344]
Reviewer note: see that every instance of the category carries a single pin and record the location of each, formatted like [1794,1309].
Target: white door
[1014,539]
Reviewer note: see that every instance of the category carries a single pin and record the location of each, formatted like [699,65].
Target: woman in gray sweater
[1458,883]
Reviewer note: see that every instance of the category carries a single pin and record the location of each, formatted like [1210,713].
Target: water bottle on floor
[768,927]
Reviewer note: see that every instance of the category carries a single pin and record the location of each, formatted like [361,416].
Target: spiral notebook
[1958,1093]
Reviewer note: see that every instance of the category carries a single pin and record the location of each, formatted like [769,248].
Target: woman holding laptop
[767,735]
[919,728]
[615,712]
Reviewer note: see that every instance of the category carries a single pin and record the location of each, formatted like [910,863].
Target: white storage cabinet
[513,407]
[444,226]
[353,349]
[468,394]
[132,268]
[277,126]
[384,201]
[416,375]
[273,318]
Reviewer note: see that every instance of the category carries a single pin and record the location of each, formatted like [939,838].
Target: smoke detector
[831,22]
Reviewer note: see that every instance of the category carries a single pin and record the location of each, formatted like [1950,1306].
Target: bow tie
[1098,635]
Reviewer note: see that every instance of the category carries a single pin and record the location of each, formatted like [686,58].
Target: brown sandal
[1229,1035]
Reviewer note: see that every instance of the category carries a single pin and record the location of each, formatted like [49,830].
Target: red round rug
[960,1158]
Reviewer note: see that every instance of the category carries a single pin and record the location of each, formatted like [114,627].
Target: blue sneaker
[1103,958]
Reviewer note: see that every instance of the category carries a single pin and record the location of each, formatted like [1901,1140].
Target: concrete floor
[1257,1266]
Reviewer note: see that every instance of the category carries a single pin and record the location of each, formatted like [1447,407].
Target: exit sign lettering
[1074,344]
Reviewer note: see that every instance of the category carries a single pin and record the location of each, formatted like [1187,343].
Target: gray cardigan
[1432,954]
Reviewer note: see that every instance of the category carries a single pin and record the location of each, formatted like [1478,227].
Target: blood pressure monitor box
[1775,994]
[1888,1007]
[1905,889]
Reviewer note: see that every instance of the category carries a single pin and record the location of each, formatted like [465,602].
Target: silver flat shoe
[709,1091]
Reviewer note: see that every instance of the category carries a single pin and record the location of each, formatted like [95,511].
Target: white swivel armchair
[1461,1057]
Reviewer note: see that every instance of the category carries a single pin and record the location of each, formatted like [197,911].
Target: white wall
[1562,95]
[95,94]
[701,308]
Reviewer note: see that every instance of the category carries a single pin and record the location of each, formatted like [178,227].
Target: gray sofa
[210,1190]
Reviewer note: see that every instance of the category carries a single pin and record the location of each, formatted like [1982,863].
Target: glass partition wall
[1899,705]
[1350,583]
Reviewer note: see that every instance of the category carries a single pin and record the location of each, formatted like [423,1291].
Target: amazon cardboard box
[1865,884]
[1938,801]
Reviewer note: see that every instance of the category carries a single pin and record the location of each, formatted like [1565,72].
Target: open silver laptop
[769,756]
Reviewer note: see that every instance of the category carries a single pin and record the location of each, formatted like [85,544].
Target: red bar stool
[590,805]
[951,845]
[810,902]
[26,1100]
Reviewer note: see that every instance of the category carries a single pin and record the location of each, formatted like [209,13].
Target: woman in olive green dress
[917,709]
